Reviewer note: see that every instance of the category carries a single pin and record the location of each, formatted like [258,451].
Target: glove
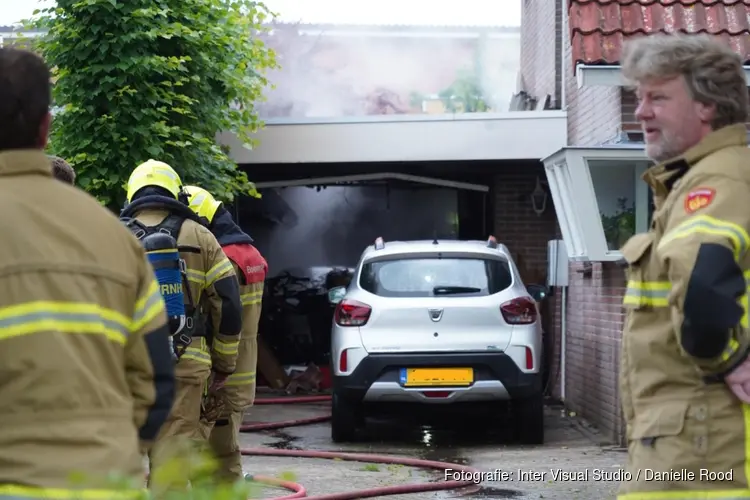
[218,380]
[212,406]
[738,381]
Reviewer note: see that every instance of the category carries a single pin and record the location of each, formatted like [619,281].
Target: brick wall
[594,316]
[594,313]
[526,235]
[516,224]
[594,113]
[540,34]
[594,330]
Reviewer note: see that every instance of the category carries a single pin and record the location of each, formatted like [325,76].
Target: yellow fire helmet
[154,173]
[202,202]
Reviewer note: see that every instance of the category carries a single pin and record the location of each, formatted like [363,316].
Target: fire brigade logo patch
[699,198]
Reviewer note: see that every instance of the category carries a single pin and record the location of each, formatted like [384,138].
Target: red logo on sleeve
[699,198]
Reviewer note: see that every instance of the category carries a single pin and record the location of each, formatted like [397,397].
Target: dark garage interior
[313,232]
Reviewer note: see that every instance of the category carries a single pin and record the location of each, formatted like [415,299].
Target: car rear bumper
[496,378]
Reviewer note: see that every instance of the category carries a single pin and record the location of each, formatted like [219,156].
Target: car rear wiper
[449,290]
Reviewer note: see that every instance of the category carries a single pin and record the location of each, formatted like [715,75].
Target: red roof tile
[598,28]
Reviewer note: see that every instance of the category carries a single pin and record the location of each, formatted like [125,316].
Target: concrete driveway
[571,465]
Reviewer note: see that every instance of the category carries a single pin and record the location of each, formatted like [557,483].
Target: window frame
[575,201]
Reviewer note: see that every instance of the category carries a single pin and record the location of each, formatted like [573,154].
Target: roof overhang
[588,75]
[575,200]
[518,135]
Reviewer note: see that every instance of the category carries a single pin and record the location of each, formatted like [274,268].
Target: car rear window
[428,277]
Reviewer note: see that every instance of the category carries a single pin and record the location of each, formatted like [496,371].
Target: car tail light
[520,311]
[351,313]
[343,361]
[529,359]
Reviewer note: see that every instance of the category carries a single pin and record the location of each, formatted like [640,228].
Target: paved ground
[567,449]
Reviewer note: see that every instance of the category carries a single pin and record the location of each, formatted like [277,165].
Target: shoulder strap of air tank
[138,228]
[171,225]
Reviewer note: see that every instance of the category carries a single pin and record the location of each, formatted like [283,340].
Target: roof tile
[598,28]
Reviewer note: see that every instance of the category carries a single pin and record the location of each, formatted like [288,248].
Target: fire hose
[299,491]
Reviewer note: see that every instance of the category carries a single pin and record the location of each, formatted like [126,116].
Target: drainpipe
[563,107]
[563,45]
[563,340]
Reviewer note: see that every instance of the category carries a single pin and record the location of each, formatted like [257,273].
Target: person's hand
[217,381]
[738,381]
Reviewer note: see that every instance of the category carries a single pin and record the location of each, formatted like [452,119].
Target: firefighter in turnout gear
[239,391]
[684,367]
[85,367]
[157,200]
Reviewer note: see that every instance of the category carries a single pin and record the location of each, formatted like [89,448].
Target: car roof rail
[379,243]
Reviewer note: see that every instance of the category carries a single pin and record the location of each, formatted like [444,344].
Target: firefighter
[239,391]
[156,199]
[684,367]
[85,367]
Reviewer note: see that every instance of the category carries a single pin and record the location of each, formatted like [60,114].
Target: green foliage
[187,463]
[465,95]
[621,225]
[140,79]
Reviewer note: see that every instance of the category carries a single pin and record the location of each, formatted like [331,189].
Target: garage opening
[312,228]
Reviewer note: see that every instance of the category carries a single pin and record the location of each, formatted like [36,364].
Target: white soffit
[609,76]
[518,135]
[575,200]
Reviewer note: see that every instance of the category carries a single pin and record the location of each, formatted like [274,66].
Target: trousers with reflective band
[240,386]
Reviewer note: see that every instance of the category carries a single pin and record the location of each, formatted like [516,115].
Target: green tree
[465,95]
[140,79]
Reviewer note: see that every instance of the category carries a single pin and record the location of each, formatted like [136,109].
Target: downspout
[563,107]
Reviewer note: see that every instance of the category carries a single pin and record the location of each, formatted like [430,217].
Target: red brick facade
[526,235]
[594,312]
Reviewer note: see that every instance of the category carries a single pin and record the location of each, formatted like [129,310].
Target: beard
[668,146]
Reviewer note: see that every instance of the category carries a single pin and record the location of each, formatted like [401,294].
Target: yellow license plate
[430,377]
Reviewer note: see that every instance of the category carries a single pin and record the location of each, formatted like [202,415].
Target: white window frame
[575,200]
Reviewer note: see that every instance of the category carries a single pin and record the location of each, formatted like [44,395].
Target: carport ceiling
[379,178]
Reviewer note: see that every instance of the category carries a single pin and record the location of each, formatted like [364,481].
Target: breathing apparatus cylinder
[164,256]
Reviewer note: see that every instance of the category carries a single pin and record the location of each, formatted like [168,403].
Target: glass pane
[429,277]
[614,185]
[348,71]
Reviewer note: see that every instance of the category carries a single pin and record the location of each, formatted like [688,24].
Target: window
[428,277]
[599,197]
[622,198]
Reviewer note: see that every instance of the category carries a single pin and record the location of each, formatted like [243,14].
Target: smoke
[334,225]
[355,73]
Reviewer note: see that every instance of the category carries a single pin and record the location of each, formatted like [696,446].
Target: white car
[436,323]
